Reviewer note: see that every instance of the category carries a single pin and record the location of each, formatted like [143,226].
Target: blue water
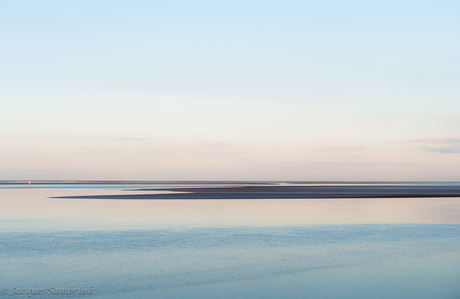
[127,185]
[111,248]
[169,185]
[331,261]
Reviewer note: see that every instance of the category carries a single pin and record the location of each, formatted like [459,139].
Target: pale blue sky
[235,90]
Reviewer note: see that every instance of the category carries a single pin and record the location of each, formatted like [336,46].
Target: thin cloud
[221,144]
[123,138]
[443,150]
[342,147]
[453,149]
[98,148]
[437,140]
[218,153]
[132,139]
[332,165]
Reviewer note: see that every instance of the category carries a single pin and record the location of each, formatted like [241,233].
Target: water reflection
[264,248]
[313,261]
[21,204]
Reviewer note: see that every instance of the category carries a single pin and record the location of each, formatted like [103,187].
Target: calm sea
[263,248]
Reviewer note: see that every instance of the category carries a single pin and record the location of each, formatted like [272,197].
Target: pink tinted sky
[290,91]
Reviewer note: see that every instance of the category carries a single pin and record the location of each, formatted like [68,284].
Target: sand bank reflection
[37,204]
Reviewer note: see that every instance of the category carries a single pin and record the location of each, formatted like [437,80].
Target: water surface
[261,248]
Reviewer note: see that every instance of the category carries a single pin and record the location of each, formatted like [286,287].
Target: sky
[230,90]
